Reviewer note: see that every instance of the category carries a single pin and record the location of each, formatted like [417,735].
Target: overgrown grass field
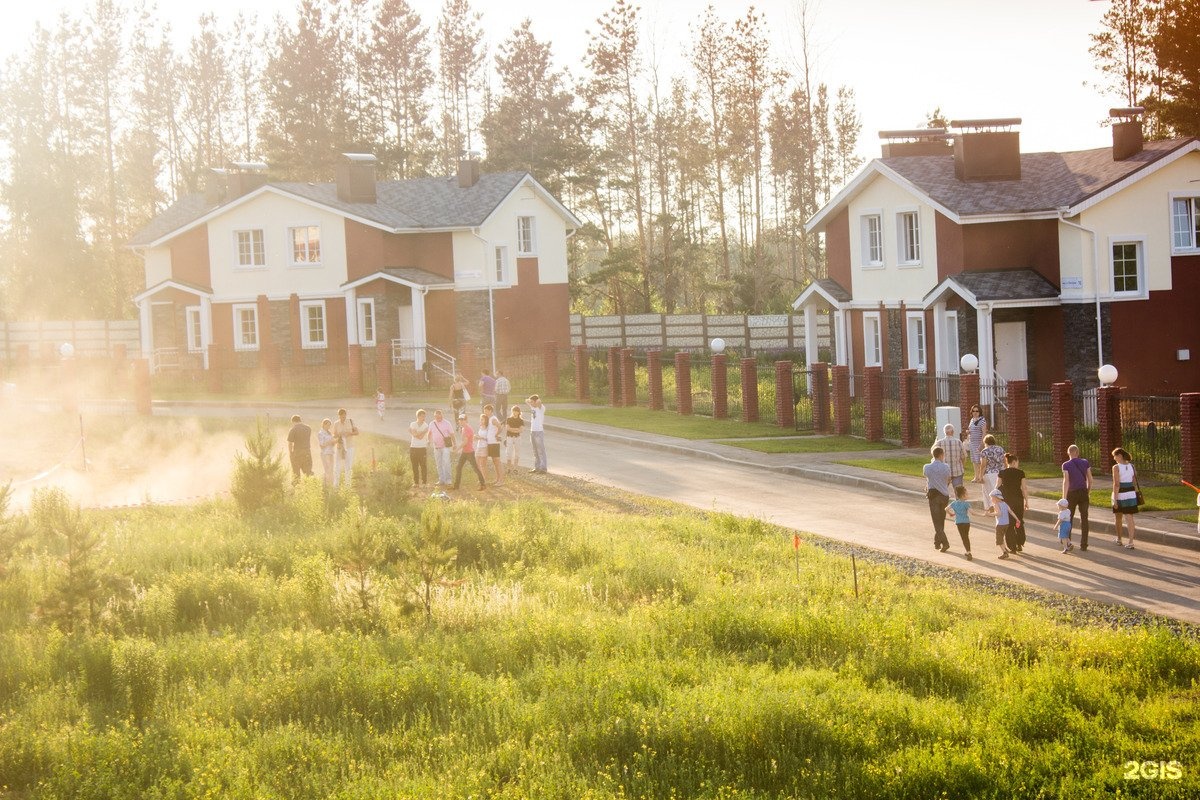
[573,644]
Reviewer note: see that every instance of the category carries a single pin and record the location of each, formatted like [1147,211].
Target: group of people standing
[335,441]
[1005,491]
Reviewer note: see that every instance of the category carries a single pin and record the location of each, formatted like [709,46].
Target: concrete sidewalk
[1153,527]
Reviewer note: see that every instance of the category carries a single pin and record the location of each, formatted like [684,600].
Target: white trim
[864,244]
[1134,177]
[502,272]
[376,276]
[1141,293]
[922,364]
[538,189]
[809,291]
[872,342]
[306,340]
[902,242]
[168,284]
[193,331]
[1172,198]
[873,168]
[533,237]
[238,345]
[363,339]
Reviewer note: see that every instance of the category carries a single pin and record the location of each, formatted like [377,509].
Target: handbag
[1137,489]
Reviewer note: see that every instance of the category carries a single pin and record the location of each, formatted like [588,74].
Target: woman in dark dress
[1016,495]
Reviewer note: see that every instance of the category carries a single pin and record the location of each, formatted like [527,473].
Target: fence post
[841,400]
[720,386]
[614,377]
[820,396]
[910,423]
[1018,418]
[749,390]
[968,395]
[654,378]
[1108,414]
[467,364]
[582,373]
[550,368]
[141,386]
[354,360]
[683,383]
[1189,436]
[216,366]
[628,378]
[272,366]
[1062,417]
[873,403]
[785,395]
[383,368]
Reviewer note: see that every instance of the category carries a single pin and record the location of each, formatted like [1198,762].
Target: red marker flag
[795,541]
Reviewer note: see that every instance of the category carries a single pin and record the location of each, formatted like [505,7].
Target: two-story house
[1045,265]
[354,270]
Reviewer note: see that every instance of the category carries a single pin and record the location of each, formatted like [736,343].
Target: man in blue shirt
[937,491]
[1077,482]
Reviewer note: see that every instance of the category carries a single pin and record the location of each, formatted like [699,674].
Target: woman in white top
[418,448]
[493,443]
[327,441]
[1124,493]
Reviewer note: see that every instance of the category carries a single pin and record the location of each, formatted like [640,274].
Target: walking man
[299,441]
[344,431]
[1077,482]
[955,454]
[503,387]
[487,390]
[441,434]
[937,491]
[537,435]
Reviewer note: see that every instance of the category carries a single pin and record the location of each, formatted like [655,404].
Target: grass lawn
[671,424]
[911,465]
[1171,497]
[810,444]
[574,643]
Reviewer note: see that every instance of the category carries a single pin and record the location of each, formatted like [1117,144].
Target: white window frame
[526,244]
[1193,245]
[917,357]
[1139,243]
[866,256]
[257,249]
[953,354]
[307,341]
[366,311]
[194,330]
[903,243]
[239,344]
[500,268]
[291,247]
[872,340]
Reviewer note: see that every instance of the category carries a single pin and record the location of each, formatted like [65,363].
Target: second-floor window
[501,265]
[1185,223]
[908,235]
[872,240]
[306,244]
[250,250]
[1126,267]
[526,236]
[312,324]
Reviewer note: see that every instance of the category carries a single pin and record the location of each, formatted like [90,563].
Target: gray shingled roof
[415,204]
[835,290]
[1007,284]
[421,277]
[1048,180]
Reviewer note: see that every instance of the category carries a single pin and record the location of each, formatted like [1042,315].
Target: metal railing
[408,351]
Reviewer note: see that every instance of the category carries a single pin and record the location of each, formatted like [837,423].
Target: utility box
[948,415]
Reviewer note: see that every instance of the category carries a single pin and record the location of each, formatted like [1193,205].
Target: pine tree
[401,79]
[259,477]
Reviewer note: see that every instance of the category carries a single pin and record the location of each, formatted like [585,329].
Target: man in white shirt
[537,435]
[955,454]
[344,431]
[441,435]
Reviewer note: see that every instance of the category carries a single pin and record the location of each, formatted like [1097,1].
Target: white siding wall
[892,282]
[474,262]
[158,265]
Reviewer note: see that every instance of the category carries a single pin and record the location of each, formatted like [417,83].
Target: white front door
[1012,362]
[405,333]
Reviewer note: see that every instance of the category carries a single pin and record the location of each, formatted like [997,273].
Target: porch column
[351,317]
[810,336]
[146,330]
[987,355]
[206,333]
[419,342]
[940,359]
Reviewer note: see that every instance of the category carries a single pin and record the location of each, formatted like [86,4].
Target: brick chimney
[356,178]
[243,177]
[468,171]
[216,186]
[984,150]
[1127,132]
[916,142]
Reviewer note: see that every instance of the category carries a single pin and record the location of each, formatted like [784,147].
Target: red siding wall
[1147,333]
[189,257]
[1012,245]
[949,246]
[440,329]
[369,250]
[530,313]
[222,325]
[837,249]
[1045,334]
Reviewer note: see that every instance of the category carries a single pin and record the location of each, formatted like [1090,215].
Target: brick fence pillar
[614,377]
[749,390]
[785,395]
[683,383]
[582,373]
[820,397]
[841,400]
[1189,430]
[1018,418]
[873,403]
[1062,417]
[354,359]
[654,378]
[1108,414]
[216,368]
[383,369]
[141,386]
[968,395]
[910,409]
[628,378]
[720,386]
[550,368]
[272,365]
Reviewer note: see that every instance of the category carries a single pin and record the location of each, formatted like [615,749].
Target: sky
[903,58]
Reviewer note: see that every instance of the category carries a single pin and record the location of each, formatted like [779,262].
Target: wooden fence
[40,341]
[693,332]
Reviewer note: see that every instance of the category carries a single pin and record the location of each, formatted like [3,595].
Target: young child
[1063,526]
[960,510]
[380,402]
[1005,520]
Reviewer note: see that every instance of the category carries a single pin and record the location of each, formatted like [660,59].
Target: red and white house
[1045,265]
[354,270]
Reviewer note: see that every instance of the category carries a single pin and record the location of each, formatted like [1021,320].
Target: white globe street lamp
[969,363]
[1107,375]
[66,349]
[717,345]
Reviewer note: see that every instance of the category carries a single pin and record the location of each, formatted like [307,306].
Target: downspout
[1095,278]
[491,299]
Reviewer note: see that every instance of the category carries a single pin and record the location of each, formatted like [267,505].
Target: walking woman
[1016,494]
[459,394]
[418,449]
[977,429]
[1124,494]
[992,461]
